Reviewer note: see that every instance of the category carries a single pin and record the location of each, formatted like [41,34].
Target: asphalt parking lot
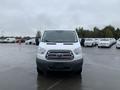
[101,70]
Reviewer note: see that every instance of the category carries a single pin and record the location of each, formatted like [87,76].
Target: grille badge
[59,55]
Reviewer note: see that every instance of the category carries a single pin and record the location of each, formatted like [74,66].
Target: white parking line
[53,85]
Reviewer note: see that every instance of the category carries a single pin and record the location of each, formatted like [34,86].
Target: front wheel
[39,71]
[79,71]
[99,47]
[46,72]
[117,48]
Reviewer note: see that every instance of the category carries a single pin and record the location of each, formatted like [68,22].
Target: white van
[59,50]
[105,42]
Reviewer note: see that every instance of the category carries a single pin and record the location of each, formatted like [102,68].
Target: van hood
[54,45]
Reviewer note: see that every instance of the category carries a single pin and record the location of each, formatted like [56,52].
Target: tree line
[106,32]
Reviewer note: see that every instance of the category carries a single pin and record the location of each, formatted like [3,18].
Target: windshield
[59,36]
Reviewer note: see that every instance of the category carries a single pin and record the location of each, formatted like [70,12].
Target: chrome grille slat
[59,55]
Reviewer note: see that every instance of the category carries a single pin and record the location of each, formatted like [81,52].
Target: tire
[46,73]
[30,43]
[79,71]
[92,45]
[98,46]
[117,48]
[39,71]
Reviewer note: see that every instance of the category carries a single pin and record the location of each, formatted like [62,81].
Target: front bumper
[104,46]
[44,65]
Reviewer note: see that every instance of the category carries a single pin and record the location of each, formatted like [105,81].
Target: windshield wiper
[47,41]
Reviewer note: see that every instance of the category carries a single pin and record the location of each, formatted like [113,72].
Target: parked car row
[14,40]
[100,42]
[8,40]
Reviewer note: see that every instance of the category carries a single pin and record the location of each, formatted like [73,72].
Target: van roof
[58,30]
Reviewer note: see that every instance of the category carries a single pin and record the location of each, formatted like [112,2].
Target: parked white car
[9,40]
[59,50]
[118,43]
[105,42]
[90,42]
[30,42]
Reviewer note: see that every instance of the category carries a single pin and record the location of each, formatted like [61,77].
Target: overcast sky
[24,17]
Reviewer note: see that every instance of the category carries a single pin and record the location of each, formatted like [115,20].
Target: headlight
[78,51]
[41,50]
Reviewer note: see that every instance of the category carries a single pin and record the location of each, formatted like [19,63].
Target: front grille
[59,55]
